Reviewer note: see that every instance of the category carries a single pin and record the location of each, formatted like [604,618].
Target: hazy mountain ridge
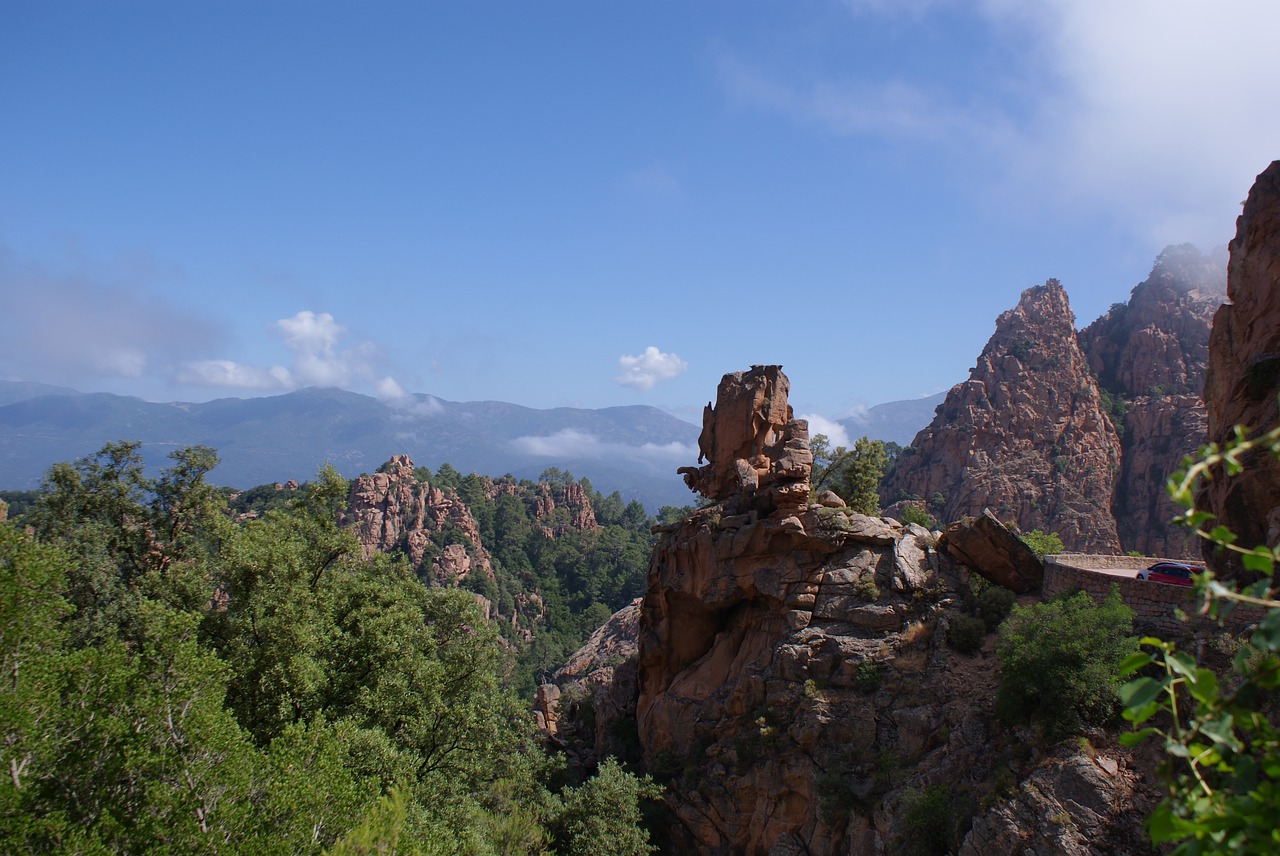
[630,449]
[633,449]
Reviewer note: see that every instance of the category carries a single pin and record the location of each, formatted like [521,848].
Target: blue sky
[598,203]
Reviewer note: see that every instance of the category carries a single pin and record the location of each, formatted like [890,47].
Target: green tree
[603,816]
[1058,662]
[1043,543]
[863,472]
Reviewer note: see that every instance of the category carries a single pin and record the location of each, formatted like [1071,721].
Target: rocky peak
[1243,375]
[757,453]
[1025,435]
[1158,343]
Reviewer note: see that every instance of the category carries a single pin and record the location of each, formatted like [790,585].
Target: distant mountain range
[898,421]
[634,450]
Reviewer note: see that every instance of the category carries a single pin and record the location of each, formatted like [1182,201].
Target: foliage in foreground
[1221,741]
[178,683]
[1058,662]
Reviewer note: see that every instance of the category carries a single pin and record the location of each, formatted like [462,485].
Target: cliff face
[1025,435]
[1157,344]
[1150,354]
[1243,377]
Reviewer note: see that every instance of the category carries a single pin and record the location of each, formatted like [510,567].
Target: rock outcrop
[392,510]
[1243,377]
[1158,434]
[757,452]
[1157,343]
[783,652]
[1025,435]
[1077,803]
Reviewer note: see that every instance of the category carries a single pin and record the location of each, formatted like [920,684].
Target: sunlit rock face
[1025,436]
[1243,377]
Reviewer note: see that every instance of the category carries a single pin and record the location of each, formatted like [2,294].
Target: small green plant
[1221,769]
[867,676]
[917,515]
[929,821]
[865,587]
[966,634]
[994,604]
[1043,543]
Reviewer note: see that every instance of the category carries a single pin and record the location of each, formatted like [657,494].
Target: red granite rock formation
[1243,377]
[756,451]
[392,510]
[1025,435]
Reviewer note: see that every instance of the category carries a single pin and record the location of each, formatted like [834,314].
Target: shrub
[1058,662]
[917,515]
[865,588]
[994,604]
[1043,543]
[866,678]
[965,634]
[929,821]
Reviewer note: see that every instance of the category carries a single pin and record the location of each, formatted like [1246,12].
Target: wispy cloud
[1155,112]
[313,339]
[95,321]
[835,432]
[570,443]
[654,182]
[645,371]
[892,108]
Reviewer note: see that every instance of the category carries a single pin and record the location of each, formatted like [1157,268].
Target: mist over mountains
[633,450]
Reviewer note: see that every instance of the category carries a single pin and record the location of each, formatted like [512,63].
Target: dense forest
[179,678]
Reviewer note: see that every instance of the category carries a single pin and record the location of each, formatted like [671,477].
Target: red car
[1171,573]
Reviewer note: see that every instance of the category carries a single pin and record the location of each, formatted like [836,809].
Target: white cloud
[232,374]
[570,443]
[389,389]
[313,338]
[1165,109]
[1157,113]
[643,372]
[835,432]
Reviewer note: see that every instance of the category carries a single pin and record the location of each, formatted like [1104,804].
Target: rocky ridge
[392,510]
[1025,435]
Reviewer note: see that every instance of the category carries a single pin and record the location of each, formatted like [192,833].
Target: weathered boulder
[1243,377]
[985,546]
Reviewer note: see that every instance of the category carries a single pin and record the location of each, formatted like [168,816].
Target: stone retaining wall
[1154,604]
